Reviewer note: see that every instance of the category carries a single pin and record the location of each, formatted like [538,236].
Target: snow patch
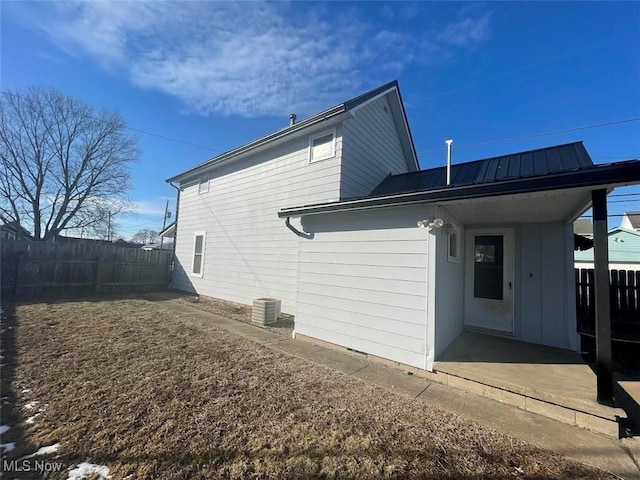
[85,469]
[26,390]
[4,429]
[32,419]
[31,405]
[7,447]
[49,449]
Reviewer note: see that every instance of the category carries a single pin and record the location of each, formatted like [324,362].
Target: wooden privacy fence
[32,268]
[625,303]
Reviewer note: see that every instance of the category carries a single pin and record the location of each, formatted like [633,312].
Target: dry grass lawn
[153,394]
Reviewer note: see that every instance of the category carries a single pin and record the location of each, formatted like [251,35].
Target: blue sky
[216,75]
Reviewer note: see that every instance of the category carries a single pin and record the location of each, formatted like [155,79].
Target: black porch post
[603,307]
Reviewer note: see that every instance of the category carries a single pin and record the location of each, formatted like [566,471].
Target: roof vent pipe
[448,142]
[292,119]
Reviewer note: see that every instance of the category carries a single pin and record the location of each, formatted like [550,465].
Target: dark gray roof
[365,97]
[543,161]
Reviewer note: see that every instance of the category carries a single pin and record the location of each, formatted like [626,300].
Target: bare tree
[145,236]
[63,165]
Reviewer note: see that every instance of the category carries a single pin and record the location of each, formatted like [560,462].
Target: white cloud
[467,32]
[150,208]
[240,58]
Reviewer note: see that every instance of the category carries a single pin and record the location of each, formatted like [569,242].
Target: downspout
[175,230]
[308,236]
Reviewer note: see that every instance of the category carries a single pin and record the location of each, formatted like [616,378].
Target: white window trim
[201,181]
[202,233]
[333,145]
[456,232]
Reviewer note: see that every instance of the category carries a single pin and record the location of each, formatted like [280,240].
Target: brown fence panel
[32,268]
[624,302]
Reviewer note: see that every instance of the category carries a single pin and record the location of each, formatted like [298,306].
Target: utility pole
[167,214]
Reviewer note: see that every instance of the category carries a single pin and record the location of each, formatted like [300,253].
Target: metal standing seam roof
[543,161]
[552,168]
[325,114]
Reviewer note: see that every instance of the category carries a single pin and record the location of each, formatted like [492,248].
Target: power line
[538,135]
[610,215]
[475,145]
[164,137]
[145,132]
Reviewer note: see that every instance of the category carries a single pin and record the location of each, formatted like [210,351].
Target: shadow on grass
[66,297]
[298,465]
[10,414]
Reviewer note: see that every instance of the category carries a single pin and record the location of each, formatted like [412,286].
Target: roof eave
[296,127]
[618,174]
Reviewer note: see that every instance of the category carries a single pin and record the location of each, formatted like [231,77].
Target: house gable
[325,119]
[376,143]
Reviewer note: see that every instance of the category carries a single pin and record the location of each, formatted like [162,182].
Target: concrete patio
[549,381]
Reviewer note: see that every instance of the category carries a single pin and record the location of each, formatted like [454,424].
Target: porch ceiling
[537,207]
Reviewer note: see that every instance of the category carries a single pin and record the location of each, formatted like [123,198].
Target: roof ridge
[625,230]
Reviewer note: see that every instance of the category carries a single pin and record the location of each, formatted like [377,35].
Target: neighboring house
[121,242]
[167,245]
[631,221]
[624,251]
[332,216]
[583,227]
[168,232]
[13,231]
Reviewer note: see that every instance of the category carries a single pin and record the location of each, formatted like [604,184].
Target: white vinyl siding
[249,251]
[544,269]
[449,285]
[362,282]
[371,149]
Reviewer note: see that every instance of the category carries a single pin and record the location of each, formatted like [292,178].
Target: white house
[230,242]
[333,216]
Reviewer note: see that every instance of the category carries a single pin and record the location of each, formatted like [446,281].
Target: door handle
[509,285]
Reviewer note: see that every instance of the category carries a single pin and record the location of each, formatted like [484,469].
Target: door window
[488,274]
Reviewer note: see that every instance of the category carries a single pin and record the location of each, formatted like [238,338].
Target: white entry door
[489,280]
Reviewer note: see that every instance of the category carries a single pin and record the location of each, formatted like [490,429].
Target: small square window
[203,185]
[322,146]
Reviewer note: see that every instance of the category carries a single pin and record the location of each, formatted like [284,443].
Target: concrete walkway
[621,457]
